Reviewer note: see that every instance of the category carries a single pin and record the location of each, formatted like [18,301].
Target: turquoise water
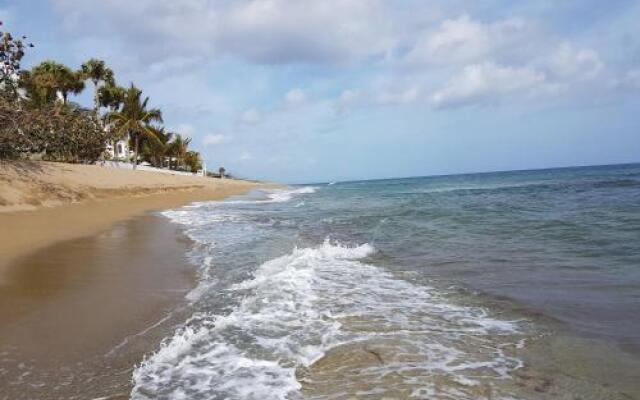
[354,288]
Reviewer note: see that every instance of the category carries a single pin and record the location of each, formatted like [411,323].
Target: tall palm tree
[135,120]
[111,96]
[48,79]
[179,148]
[98,72]
[70,82]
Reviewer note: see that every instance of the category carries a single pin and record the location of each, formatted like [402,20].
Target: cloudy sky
[304,91]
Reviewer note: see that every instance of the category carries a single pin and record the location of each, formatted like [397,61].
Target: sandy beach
[44,203]
[89,280]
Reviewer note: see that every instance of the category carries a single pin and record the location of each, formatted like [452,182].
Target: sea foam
[300,308]
[300,305]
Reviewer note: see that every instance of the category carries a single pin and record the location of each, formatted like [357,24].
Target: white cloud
[262,31]
[295,97]
[214,139]
[463,40]
[571,63]
[486,82]
[250,117]
[347,99]
[412,49]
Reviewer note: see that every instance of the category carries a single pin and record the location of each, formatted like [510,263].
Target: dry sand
[43,203]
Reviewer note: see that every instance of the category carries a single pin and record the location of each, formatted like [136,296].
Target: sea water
[382,289]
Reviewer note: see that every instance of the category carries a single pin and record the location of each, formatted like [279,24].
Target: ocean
[501,285]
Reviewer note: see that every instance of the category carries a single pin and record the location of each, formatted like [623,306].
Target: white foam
[283,195]
[298,306]
[199,213]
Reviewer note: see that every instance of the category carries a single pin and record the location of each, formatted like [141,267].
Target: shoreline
[77,316]
[74,201]
[91,279]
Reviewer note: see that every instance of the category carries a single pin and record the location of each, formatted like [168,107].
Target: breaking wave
[299,306]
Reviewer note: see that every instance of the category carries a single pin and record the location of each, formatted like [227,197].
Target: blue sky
[304,91]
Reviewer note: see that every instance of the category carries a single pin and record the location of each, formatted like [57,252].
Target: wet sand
[76,317]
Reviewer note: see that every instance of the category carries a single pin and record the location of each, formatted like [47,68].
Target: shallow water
[359,289]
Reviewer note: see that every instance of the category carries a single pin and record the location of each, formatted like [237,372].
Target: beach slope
[43,203]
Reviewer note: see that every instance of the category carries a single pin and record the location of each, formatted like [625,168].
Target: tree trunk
[96,104]
[135,154]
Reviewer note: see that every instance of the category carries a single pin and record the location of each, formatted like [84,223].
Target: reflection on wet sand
[71,314]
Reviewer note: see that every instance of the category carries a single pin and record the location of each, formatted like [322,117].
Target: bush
[58,133]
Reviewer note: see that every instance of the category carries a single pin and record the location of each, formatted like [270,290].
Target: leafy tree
[178,149]
[155,151]
[193,161]
[49,79]
[135,119]
[70,83]
[61,133]
[111,96]
[57,133]
[11,53]
[101,76]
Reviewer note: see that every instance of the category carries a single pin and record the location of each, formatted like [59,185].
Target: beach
[402,288]
[42,203]
[89,279]
[460,219]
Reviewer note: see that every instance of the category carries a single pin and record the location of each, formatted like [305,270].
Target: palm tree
[179,148]
[41,83]
[155,151]
[111,96]
[69,82]
[48,79]
[193,161]
[98,72]
[134,119]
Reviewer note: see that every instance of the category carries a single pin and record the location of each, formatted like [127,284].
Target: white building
[119,150]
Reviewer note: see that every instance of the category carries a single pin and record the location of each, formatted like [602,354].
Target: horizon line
[469,173]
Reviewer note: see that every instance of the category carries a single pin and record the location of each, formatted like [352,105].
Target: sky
[329,90]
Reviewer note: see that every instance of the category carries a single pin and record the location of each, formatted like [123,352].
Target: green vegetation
[37,118]
[135,119]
